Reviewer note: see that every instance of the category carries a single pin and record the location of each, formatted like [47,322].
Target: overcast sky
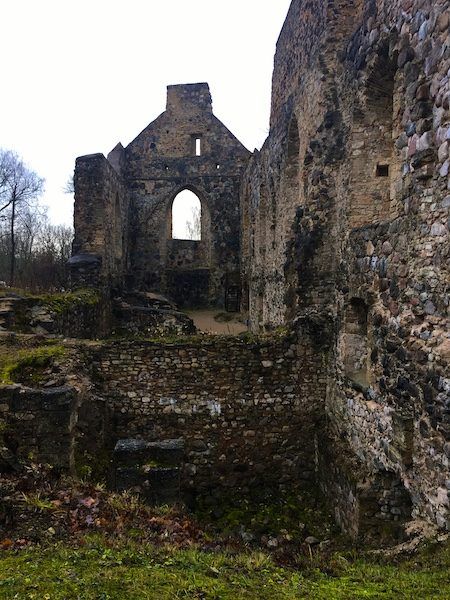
[79,76]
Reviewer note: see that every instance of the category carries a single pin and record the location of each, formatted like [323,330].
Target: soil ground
[212,321]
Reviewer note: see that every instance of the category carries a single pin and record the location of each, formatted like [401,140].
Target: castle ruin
[123,206]
[335,233]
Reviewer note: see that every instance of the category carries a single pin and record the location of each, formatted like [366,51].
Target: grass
[200,339]
[101,571]
[271,515]
[57,301]
[17,363]
[37,502]
[65,301]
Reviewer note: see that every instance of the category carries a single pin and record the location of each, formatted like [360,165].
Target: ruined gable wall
[160,163]
[123,206]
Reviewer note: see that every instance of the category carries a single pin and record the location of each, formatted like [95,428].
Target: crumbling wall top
[186,96]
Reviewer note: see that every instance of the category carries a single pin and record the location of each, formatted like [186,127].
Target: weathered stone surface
[343,237]
[39,422]
[346,206]
[243,424]
[151,468]
[123,206]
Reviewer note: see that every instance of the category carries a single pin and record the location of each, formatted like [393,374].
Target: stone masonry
[345,214]
[336,235]
[245,410]
[123,206]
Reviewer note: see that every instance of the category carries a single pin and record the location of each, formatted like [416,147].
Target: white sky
[184,207]
[80,75]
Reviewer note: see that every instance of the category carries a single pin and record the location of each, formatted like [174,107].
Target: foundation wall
[247,413]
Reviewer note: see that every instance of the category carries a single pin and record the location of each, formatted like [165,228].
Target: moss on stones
[17,364]
[62,302]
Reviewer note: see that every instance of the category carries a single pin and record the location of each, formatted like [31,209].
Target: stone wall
[248,414]
[39,424]
[344,237]
[398,420]
[123,205]
[100,247]
[83,313]
[160,163]
[347,204]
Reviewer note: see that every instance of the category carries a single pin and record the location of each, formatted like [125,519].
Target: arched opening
[374,161]
[187,251]
[186,217]
[354,341]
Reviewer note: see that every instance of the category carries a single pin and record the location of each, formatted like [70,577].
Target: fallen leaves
[63,508]
[6,544]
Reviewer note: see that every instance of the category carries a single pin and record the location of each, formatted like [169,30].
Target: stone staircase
[151,469]
[25,315]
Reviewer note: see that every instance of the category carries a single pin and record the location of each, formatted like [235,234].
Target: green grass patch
[101,571]
[66,301]
[58,302]
[19,364]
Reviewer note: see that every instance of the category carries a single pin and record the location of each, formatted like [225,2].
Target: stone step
[138,452]
[157,485]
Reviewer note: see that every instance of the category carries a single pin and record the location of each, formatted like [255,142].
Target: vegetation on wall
[65,301]
[25,364]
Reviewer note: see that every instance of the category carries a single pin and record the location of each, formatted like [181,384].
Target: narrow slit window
[382,170]
[198,146]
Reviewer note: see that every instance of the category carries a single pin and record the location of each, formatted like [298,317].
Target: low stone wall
[247,411]
[38,424]
[81,314]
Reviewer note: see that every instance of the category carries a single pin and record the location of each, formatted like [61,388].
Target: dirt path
[205,320]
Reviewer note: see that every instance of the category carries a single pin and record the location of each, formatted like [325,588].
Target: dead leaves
[63,509]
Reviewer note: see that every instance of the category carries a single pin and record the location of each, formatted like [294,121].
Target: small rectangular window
[382,171]
[198,146]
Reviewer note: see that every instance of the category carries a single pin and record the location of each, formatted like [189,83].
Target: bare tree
[194,224]
[42,252]
[20,187]
[69,186]
[5,171]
